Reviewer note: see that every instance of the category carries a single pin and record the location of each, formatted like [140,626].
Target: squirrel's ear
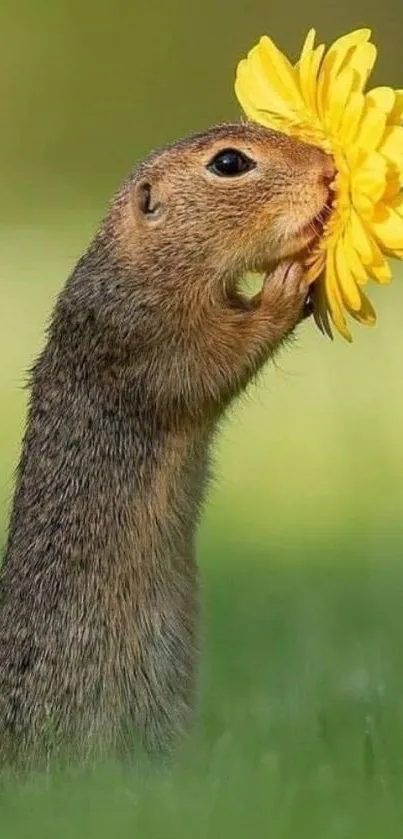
[147,200]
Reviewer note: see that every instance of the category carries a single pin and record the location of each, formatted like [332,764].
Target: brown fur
[148,344]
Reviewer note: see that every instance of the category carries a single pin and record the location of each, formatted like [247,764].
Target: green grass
[300,724]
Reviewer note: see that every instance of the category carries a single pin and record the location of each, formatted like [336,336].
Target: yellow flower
[321,99]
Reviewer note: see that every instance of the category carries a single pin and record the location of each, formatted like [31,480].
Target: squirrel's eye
[229,163]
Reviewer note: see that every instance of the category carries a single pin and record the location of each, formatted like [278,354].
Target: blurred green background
[300,721]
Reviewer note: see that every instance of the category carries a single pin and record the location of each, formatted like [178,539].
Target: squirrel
[149,342]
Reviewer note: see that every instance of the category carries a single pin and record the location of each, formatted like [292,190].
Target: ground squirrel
[149,342]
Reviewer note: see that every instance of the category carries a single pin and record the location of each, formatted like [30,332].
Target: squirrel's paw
[285,293]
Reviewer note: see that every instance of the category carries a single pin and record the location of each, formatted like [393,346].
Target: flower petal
[370,178]
[366,313]
[378,268]
[361,238]
[369,251]
[334,297]
[383,98]
[387,225]
[394,184]
[304,67]
[339,91]
[308,68]
[321,308]
[363,204]
[362,61]
[346,282]
[280,69]
[397,204]
[396,115]
[315,265]
[351,118]
[315,69]
[334,60]
[256,93]
[392,145]
[371,128]
[381,271]
[356,265]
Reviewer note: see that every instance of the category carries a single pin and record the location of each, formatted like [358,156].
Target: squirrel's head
[236,198]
